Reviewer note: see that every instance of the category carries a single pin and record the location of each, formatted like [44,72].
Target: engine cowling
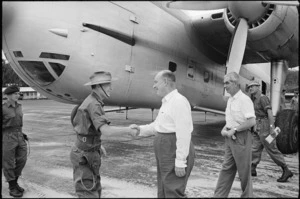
[273,32]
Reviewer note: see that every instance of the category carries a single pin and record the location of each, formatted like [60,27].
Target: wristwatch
[235,129]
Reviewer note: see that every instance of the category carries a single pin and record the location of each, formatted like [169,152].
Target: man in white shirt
[172,128]
[240,117]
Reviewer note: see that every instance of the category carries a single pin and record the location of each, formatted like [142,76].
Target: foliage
[10,77]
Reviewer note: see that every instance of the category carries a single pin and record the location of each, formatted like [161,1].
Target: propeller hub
[249,10]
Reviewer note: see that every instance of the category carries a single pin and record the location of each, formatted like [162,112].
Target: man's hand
[103,151]
[230,132]
[224,132]
[180,172]
[272,132]
[135,130]
[25,137]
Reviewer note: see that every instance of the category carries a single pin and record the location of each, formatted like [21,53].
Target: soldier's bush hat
[254,83]
[100,77]
[11,89]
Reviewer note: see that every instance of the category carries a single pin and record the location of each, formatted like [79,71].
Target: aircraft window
[37,71]
[172,66]
[54,56]
[206,76]
[18,54]
[58,68]
[190,72]
[217,15]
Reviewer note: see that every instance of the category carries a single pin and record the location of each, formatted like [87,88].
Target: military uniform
[261,105]
[14,148]
[85,154]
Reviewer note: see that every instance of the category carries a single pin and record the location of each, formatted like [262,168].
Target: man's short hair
[169,75]
[233,77]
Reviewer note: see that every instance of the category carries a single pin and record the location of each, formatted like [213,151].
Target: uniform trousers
[14,154]
[259,143]
[86,172]
[168,184]
[237,158]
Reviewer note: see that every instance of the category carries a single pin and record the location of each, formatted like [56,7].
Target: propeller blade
[197,5]
[237,47]
[283,3]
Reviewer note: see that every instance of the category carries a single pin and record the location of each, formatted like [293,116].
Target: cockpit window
[37,71]
[57,67]
[54,56]
[18,54]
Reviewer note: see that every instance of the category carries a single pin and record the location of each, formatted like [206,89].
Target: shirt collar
[169,95]
[256,95]
[11,103]
[239,93]
[98,97]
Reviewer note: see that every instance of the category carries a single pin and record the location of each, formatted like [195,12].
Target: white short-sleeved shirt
[174,116]
[239,109]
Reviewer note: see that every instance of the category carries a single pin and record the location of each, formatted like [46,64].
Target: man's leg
[257,148]
[85,176]
[242,154]
[227,173]
[21,158]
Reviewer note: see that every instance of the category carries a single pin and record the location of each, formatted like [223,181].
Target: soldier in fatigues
[264,127]
[14,148]
[90,122]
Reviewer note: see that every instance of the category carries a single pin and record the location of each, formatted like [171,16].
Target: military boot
[285,175]
[18,186]
[253,170]
[13,190]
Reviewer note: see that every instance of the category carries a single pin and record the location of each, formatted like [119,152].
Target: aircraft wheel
[287,139]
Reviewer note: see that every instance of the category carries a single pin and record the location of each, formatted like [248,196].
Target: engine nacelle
[274,34]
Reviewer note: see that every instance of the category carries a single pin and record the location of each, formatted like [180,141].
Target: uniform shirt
[174,116]
[90,116]
[239,108]
[12,115]
[294,103]
[261,104]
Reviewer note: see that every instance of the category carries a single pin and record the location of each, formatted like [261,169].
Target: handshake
[134,130]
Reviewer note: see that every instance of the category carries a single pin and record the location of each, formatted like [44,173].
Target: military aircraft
[55,46]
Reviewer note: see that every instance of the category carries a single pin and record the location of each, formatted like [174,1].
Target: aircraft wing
[212,30]
[267,31]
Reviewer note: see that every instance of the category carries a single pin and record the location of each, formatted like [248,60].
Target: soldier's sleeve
[265,102]
[97,116]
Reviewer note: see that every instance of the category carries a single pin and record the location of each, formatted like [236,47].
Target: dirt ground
[129,170]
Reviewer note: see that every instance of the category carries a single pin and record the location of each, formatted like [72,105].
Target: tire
[287,139]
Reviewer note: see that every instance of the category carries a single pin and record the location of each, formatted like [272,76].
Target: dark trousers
[86,174]
[259,143]
[14,154]
[168,184]
[237,158]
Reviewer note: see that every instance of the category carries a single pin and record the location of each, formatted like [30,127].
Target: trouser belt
[93,149]
[87,143]
[12,129]
[262,118]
